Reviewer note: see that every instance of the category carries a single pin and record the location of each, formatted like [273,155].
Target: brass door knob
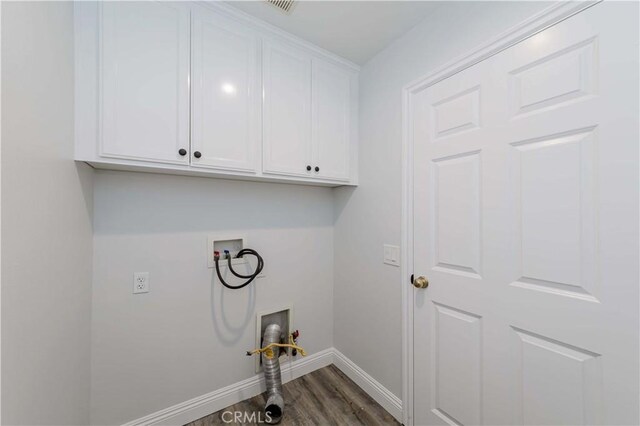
[421,282]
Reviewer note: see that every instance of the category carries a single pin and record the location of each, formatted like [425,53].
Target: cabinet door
[144,72]
[225,94]
[331,112]
[287,110]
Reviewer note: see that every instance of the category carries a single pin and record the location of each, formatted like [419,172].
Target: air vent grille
[284,5]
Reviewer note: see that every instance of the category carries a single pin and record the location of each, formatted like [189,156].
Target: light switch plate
[391,255]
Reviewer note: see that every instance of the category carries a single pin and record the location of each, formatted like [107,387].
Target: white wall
[322,247]
[188,336]
[46,223]
[367,302]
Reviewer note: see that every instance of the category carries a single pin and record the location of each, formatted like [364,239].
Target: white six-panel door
[526,225]
[144,81]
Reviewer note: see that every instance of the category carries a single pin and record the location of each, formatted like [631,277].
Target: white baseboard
[203,405]
[371,386]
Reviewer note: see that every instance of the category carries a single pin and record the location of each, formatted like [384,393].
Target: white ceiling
[355,30]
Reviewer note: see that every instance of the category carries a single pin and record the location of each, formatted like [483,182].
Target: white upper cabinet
[144,81]
[331,126]
[307,114]
[225,94]
[287,110]
[202,89]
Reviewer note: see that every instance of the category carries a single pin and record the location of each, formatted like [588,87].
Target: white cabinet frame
[89,114]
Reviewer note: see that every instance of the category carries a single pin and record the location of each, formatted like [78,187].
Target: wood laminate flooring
[323,397]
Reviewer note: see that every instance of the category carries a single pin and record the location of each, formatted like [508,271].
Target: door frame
[540,21]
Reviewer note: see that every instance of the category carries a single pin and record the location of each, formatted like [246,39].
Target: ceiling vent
[284,5]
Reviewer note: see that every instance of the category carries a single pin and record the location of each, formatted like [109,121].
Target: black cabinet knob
[182,152]
[317,169]
[197,154]
[308,168]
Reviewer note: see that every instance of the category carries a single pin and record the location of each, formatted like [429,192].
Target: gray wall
[367,293]
[188,336]
[46,223]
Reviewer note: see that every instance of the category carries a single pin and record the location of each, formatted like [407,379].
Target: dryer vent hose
[271,366]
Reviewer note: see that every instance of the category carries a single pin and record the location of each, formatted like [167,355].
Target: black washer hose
[249,278]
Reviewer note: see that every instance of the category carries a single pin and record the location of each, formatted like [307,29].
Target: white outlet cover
[140,282]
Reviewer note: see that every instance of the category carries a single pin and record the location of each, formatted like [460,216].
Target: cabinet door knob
[197,154]
[182,152]
[317,169]
[308,168]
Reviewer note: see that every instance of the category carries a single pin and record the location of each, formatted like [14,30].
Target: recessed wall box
[281,316]
[220,243]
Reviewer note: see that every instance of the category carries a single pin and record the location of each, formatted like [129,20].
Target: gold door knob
[421,282]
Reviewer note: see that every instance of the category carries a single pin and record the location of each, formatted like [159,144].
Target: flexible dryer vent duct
[271,367]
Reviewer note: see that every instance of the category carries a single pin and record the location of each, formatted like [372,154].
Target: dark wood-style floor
[324,397]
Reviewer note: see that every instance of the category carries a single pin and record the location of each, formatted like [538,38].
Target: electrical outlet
[140,282]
